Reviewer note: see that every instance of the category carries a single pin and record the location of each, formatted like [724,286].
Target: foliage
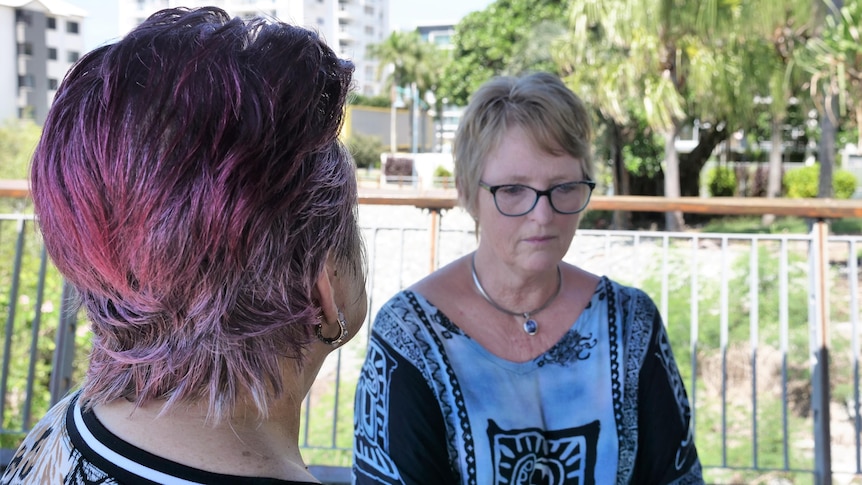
[501,39]
[721,181]
[18,139]
[366,150]
[410,59]
[374,101]
[643,156]
[834,58]
[754,225]
[803,183]
[442,171]
[34,314]
[846,226]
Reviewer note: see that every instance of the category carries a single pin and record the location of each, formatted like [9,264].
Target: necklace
[530,325]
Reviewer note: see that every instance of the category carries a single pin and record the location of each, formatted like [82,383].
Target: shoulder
[626,295]
[43,456]
[446,283]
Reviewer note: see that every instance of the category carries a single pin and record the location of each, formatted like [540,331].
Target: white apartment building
[348,26]
[41,41]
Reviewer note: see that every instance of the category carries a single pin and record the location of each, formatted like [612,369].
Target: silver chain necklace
[530,325]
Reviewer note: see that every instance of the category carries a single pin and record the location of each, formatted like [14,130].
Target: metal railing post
[10,319]
[64,352]
[819,324]
[435,236]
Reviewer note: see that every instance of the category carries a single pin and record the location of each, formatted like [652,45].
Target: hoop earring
[335,342]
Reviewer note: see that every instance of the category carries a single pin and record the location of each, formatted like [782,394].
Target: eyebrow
[522,180]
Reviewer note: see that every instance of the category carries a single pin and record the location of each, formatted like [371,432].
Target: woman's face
[538,240]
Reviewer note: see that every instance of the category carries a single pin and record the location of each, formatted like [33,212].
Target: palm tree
[666,54]
[834,60]
[411,62]
[780,28]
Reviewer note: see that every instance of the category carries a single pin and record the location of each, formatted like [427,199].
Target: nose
[543,212]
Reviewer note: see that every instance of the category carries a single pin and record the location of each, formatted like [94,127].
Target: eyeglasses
[515,200]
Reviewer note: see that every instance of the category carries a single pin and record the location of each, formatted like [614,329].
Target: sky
[101,24]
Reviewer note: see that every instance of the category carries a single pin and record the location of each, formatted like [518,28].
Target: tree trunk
[826,148]
[776,155]
[621,219]
[859,127]
[691,163]
[673,219]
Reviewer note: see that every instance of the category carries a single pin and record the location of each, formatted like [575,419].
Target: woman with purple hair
[190,185]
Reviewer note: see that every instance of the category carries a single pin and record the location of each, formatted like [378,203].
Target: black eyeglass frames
[517,199]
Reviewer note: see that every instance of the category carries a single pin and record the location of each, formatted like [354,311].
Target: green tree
[833,58]
[18,139]
[780,29]
[398,54]
[406,60]
[669,57]
[507,37]
[366,150]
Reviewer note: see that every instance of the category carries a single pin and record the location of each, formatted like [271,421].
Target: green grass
[324,440]
[753,225]
[781,225]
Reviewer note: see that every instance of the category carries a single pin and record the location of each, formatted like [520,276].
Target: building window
[320,21]
[73,56]
[369,30]
[23,17]
[72,27]
[26,81]
[25,49]
[52,53]
[52,84]
[369,9]
[51,23]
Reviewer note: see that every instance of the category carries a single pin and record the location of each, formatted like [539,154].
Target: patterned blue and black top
[605,405]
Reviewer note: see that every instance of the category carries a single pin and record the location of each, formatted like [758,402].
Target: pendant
[531,327]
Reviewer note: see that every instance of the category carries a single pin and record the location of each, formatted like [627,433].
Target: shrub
[374,101]
[366,150]
[843,184]
[721,182]
[802,183]
[442,171]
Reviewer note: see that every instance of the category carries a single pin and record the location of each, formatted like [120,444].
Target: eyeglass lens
[516,200]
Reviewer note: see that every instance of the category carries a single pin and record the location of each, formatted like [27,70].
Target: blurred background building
[49,37]
[348,26]
[46,40]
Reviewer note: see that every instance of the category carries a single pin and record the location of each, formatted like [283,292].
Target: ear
[324,293]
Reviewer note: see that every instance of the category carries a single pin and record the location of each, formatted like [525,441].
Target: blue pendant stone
[531,327]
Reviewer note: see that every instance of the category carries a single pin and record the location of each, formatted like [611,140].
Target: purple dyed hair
[190,184]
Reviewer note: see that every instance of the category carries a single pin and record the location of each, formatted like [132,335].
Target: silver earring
[335,342]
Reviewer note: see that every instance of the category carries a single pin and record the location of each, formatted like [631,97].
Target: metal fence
[752,319]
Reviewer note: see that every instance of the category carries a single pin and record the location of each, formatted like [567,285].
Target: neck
[243,444]
[530,324]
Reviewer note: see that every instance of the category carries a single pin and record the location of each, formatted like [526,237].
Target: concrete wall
[372,121]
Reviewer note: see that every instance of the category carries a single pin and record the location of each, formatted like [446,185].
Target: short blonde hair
[552,115]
